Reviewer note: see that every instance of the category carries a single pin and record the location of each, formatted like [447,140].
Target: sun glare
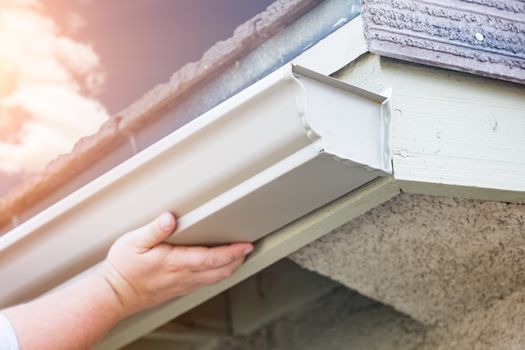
[48,88]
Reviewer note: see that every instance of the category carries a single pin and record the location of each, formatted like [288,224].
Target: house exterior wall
[453,133]
[433,258]
[346,320]
[341,320]
[451,268]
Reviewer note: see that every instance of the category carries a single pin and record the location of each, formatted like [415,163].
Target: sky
[67,65]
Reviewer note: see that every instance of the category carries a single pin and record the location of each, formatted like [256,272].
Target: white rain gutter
[283,147]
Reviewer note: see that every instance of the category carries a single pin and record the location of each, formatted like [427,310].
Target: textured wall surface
[454,267]
[485,37]
[433,258]
[500,326]
[346,320]
[340,320]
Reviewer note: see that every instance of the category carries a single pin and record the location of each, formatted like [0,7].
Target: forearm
[75,317]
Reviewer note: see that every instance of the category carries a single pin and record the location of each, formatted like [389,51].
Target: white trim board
[436,152]
[453,134]
[457,129]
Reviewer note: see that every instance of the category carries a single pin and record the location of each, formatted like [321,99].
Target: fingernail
[247,250]
[166,221]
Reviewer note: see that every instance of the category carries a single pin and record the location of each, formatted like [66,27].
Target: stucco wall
[433,258]
[346,320]
[445,273]
[340,320]
[499,326]
[454,265]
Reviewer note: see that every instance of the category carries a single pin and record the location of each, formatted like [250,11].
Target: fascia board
[283,147]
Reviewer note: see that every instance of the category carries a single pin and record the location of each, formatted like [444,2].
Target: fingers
[202,259]
[208,277]
[153,233]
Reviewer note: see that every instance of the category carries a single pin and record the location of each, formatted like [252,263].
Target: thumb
[155,232]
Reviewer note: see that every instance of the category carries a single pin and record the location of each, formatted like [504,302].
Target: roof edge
[36,188]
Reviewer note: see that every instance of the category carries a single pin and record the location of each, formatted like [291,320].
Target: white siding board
[456,129]
[452,133]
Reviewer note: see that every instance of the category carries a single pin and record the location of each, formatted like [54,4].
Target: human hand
[144,272]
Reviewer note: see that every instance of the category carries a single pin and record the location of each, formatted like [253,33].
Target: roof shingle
[485,37]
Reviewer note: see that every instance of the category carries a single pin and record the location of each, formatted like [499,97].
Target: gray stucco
[454,265]
[340,320]
[433,258]
[346,320]
[497,326]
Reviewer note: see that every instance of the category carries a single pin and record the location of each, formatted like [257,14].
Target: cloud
[48,88]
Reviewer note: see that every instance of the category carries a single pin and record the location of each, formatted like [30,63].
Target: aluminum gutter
[283,147]
[226,69]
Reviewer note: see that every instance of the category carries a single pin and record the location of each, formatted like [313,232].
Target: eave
[426,175]
[319,147]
